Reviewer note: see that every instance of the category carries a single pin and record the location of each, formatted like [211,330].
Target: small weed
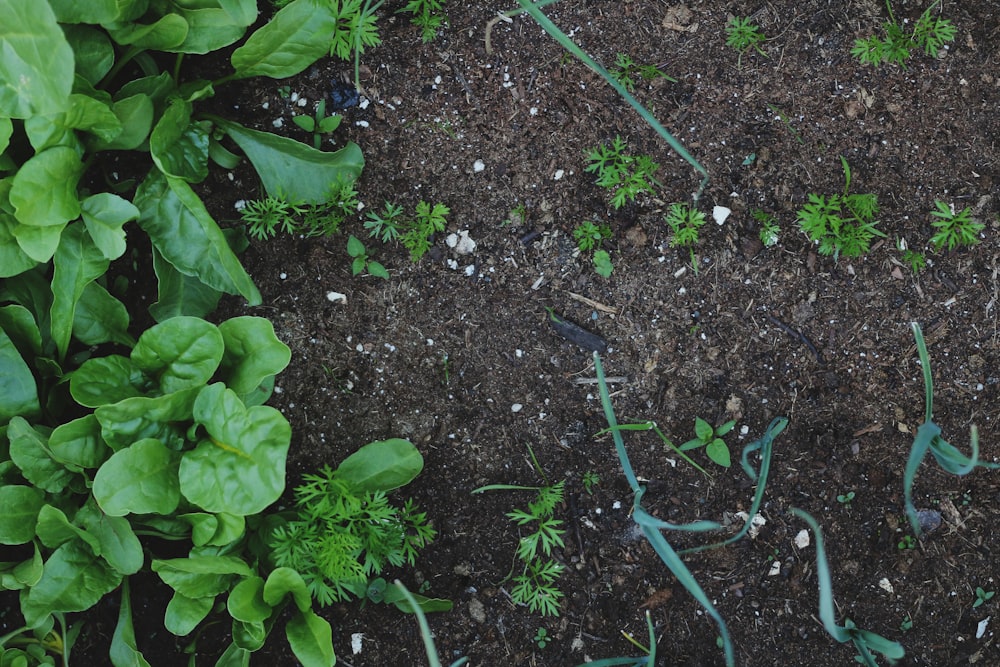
[954,229]
[319,124]
[743,34]
[685,223]
[845,499]
[916,260]
[428,15]
[841,224]
[266,217]
[589,236]
[906,624]
[929,34]
[362,261]
[385,226]
[906,543]
[982,596]
[711,439]
[623,175]
[542,637]
[625,70]
[590,480]
[414,233]
[769,230]
[602,263]
[518,216]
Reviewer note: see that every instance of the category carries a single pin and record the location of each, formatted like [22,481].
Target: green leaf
[311,639]
[92,11]
[291,170]
[105,380]
[77,262]
[105,214]
[209,29]
[184,613]
[78,443]
[92,50]
[18,391]
[13,259]
[21,505]
[243,12]
[215,529]
[161,417]
[240,467]
[182,230]
[124,650]
[43,191]
[25,574]
[100,318]
[283,581]
[139,479]
[91,115]
[718,452]
[117,542]
[376,269]
[182,353]
[249,636]
[201,576]
[703,429]
[294,38]
[135,115]
[163,34]
[179,147]
[36,70]
[29,452]
[74,579]
[178,294]
[355,248]
[252,353]
[246,601]
[382,465]
[18,323]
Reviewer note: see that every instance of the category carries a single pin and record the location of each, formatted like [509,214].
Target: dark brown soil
[440,354]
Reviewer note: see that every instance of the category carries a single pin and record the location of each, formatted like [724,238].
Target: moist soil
[455,352]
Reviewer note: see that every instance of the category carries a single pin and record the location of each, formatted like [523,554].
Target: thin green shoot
[652,426]
[536,465]
[864,641]
[534,9]
[425,630]
[648,660]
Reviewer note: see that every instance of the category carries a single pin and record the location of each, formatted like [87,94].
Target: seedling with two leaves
[711,439]
[318,125]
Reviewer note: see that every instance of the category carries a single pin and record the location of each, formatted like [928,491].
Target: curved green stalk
[571,46]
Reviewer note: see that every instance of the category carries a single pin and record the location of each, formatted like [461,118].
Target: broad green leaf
[54,529]
[209,29]
[184,613]
[187,236]
[718,452]
[242,12]
[21,505]
[74,579]
[29,451]
[124,650]
[6,131]
[139,479]
[13,259]
[215,529]
[292,170]
[92,11]
[283,581]
[249,636]
[79,443]
[246,601]
[32,290]
[39,243]
[94,116]
[117,542]
[234,656]
[18,391]
[179,147]
[105,214]
[179,294]
[182,353]
[105,380]
[36,66]
[382,465]
[163,34]
[201,576]
[18,323]
[240,467]
[92,50]
[158,88]
[25,574]
[100,318]
[294,38]
[311,639]
[135,114]
[43,192]
[252,354]
[702,429]
[164,418]
[77,263]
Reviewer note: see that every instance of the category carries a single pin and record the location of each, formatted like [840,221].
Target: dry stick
[798,335]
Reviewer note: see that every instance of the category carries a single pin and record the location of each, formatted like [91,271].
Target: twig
[798,335]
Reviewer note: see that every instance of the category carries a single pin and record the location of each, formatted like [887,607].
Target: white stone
[461,243]
[336,297]
[802,539]
[775,569]
[981,628]
[559,174]
[356,642]
[516,407]
[756,523]
[478,166]
[886,585]
[720,213]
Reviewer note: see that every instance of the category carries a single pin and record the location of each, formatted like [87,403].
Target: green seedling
[590,480]
[711,439]
[385,226]
[428,15]
[623,175]
[542,637]
[842,224]
[433,659]
[845,499]
[536,585]
[982,596]
[769,229]
[743,34]
[906,624]
[928,439]
[429,220]
[602,263]
[929,33]
[626,71]
[906,543]
[954,229]
[517,217]
[361,261]
[685,222]
[916,260]
[265,218]
[783,117]
[319,124]
[589,235]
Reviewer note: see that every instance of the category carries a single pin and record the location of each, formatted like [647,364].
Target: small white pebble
[302,102]
[364,103]
[336,297]
[294,97]
[478,166]
[277,122]
[282,275]
[470,270]
[516,407]
[559,174]
[240,204]
[356,642]
[802,539]
[265,105]
[362,123]
[518,353]
[617,505]
[533,111]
